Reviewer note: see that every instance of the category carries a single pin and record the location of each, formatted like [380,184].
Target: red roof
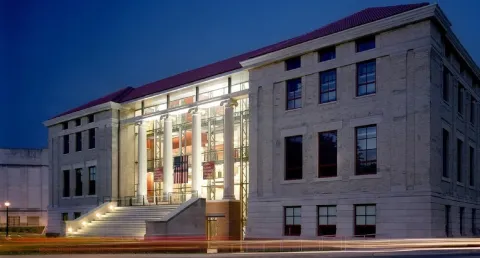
[362,17]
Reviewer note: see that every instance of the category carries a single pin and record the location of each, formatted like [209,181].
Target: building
[24,183]
[367,126]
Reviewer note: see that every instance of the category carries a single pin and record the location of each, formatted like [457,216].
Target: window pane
[362,144]
[370,220]
[289,211]
[362,90]
[323,211]
[323,221]
[371,88]
[360,220]
[370,210]
[360,210]
[332,211]
[297,212]
[289,221]
[333,95]
[371,155]
[297,220]
[361,132]
[371,131]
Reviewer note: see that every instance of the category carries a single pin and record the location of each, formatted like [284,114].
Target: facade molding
[84,112]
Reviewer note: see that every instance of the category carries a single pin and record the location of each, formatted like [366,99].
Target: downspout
[118,155]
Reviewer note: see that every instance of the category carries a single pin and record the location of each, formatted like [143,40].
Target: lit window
[366,78]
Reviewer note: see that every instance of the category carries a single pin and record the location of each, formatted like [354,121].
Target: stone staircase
[124,221]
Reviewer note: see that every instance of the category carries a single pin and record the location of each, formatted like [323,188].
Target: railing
[179,197]
[182,101]
[213,93]
[146,200]
[240,86]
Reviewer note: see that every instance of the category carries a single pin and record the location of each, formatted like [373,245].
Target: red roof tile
[362,17]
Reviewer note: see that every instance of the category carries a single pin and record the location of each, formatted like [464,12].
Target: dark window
[327,220]
[66,144]
[445,151]
[474,223]
[365,43]
[328,86]
[77,215]
[366,78]
[64,216]
[459,160]
[78,122]
[365,220]
[78,182]
[460,99]
[294,93]
[65,125]
[462,213]
[78,141]
[326,54]
[472,110]
[91,118]
[91,138]
[293,157]
[293,63]
[447,220]
[471,168]
[66,183]
[92,178]
[293,221]
[327,154]
[446,84]
[366,150]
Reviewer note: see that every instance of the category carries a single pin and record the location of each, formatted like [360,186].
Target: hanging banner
[208,170]
[158,175]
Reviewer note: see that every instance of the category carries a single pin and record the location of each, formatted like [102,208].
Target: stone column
[197,152]
[228,149]
[142,164]
[167,157]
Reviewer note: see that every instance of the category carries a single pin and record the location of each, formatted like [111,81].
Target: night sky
[56,55]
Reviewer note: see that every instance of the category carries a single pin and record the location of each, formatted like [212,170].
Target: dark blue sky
[56,55]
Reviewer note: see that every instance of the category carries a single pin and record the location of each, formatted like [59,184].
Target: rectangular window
[78,182]
[33,221]
[13,221]
[472,110]
[293,157]
[447,220]
[327,154]
[365,220]
[66,183]
[91,138]
[445,151]
[366,78]
[78,122]
[366,138]
[327,221]
[471,169]
[326,54]
[64,216]
[365,43]
[328,86]
[459,160]
[446,84]
[91,118]
[462,214]
[64,125]
[474,221]
[294,93]
[66,144]
[293,63]
[293,221]
[78,141]
[77,215]
[460,99]
[92,178]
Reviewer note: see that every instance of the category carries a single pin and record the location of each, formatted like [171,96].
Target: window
[471,169]
[459,160]
[78,122]
[445,156]
[366,78]
[90,118]
[92,177]
[446,84]
[64,216]
[65,125]
[447,220]
[365,43]
[328,86]
[327,220]
[472,110]
[294,93]
[474,223]
[326,54]
[66,144]
[66,183]
[293,221]
[78,182]
[462,213]
[365,216]
[293,63]
[293,157]
[33,221]
[78,141]
[327,154]
[460,100]
[77,215]
[13,221]
[91,138]
[366,150]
